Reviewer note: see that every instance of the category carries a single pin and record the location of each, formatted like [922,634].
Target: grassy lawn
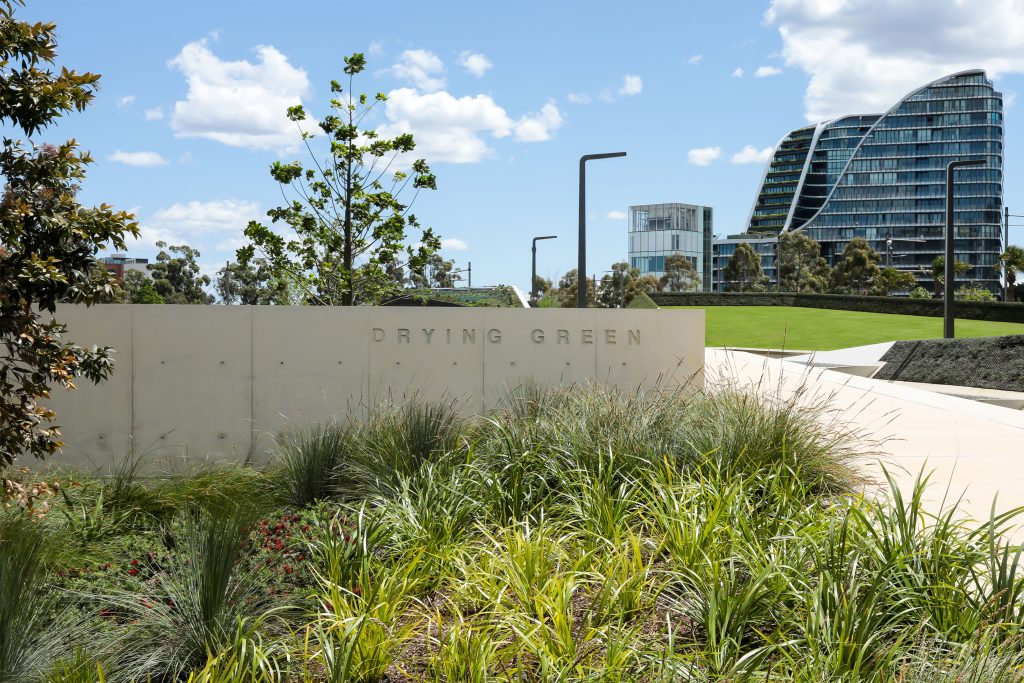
[822,329]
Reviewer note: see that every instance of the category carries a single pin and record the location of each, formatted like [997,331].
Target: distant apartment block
[119,264]
[659,230]
[882,177]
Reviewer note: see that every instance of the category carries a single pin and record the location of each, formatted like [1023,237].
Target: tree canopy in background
[252,284]
[743,272]
[800,264]
[680,275]
[349,225]
[176,275]
[856,269]
[49,241]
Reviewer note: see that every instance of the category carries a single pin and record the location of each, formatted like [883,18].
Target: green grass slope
[816,329]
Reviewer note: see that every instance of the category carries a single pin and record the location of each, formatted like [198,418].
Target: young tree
[253,284]
[939,272]
[177,278]
[1012,262]
[567,290]
[801,267]
[349,224]
[857,268]
[48,241]
[542,285]
[680,275]
[743,272]
[137,288]
[618,287]
[890,280]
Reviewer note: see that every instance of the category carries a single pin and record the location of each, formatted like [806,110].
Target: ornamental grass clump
[395,443]
[310,460]
[34,633]
[203,603]
[577,533]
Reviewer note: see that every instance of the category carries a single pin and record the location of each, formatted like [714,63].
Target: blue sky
[503,99]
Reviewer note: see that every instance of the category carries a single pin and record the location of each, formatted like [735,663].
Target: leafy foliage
[680,275]
[801,267]
[938,271]
[857,268]
[890,280]
[177,279]
[618,288]
[920,293]
[350,228]
[567,288]
[743,272]
[48,241]
[252,284]
[974,294]
[138,288]
[1012,262]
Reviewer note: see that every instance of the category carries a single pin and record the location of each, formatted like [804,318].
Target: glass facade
[882,177]
[658,230]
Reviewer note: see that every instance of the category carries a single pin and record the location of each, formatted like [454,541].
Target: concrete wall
[219,381]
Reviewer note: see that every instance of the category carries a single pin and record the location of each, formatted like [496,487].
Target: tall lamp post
[947,322]
[581,268]
[533,267]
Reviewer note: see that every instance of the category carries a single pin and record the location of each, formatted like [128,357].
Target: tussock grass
[578,534]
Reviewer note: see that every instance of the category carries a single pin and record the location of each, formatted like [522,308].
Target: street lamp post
[533,268]
[581,268]
[947,322]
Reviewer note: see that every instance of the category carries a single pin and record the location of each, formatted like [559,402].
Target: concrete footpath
[972,448]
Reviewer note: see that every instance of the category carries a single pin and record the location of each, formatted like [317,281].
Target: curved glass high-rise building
[882,177]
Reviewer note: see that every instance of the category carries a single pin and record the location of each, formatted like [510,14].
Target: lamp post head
[606,155]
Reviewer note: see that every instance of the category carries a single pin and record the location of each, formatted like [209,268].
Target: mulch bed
[984,363]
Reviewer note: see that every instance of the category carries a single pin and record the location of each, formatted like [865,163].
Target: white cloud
[475,63]
[216,224]
[696,59]
[631,85]
[138,158]
[419,67]
[862,57]
[240,103]
[448,128]
[578,98]
[752,155]
[376,48]
[737,72]
[539,127]
[616,215]
[765,71]
[454,244]
[154,114]
[185,158]
[704,155]
[1009,98]
[125,101]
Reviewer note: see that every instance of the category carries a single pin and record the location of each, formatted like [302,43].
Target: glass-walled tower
[882,177]
[659,230]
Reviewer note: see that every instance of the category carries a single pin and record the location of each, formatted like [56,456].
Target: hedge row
[971,310]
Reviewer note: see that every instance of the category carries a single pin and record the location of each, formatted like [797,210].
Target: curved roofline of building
[871,130]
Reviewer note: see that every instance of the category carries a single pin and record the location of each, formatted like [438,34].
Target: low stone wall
[970,310]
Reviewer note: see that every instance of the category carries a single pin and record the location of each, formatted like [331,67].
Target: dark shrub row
[971,310]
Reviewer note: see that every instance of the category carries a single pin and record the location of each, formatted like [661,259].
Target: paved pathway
[975,449]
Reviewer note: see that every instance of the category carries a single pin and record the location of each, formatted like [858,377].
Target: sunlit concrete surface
[972,449]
